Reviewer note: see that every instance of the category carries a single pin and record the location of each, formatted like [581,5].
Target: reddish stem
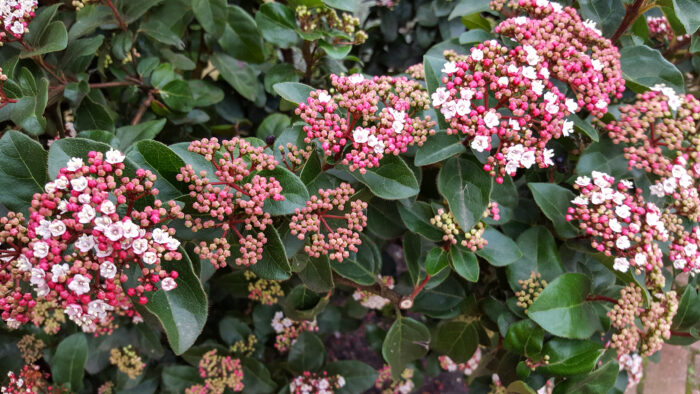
[121,22]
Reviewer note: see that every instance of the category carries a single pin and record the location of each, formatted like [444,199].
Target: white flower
[601,104]
[544,71]
[597,65]
[41,249]
[79,284]
[511,167]
[618,198]
[84,198]
[43,229]
[592,25]
[550,97]
[139,246]
[621,264]
[640,259]
[150,258]
[515,152]
[324,97]
[557,7]
[690,249]
[463,107]
[168,284]
[601,179]
[50,187]
[669,185]
[503,81]
[114,156]
[657,190]
[440,96]
[514,124]
[614,225]
[583,181]
[580,200]
[86,214]
[531,55]
[678,171]
[652,218]
[467,94]
[538,87]
[172,244]
[679,264]
[23,264]
[567,128]
[529,72]
[674,101]
[552,108]
[61,183]
[685,181]
[85,243]
[481,143]
[341,381]
[108,270]
[356,78]
[528,159]
[379,147]
[73,310]
[102,223]
[449,68]
[521,20]
[74,164]
[449,109]
[37,277]
[597,198]
[58,272]
[623,242]
[542,3]
[623,211]
[491,119]
[512,69]
[103,253]
[99,308]
[57,228]
[397,125]
[160,236]
[571,105]
[372,141]
[115,232]
[131,229]
[477,54]
[547,155]
[360,135]
[107,207]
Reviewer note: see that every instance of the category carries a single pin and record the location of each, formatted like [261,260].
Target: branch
[120,21]
[632,12]
[142,109]
[401,301]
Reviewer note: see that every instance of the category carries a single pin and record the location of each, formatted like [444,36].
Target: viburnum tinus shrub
[211,196]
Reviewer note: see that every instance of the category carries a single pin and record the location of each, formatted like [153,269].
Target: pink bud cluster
[365,133]
[387,385]
[660,30]
[620,223]
[632,364]
[325,212]
[15,16]
[288,330]
[655,321]
[659,122]
[506,94]
[373,301]
[576,51]
[220,374]
[85,231]
[316,383]
[30,380]
[467,368]
[232,198]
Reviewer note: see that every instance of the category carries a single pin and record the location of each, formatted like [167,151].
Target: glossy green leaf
[178,378]
[406,341]
[607,14]
[361,267]
[599,381]
[22,170]
[45,36]
[643,67]
[239,75]
[293,91]
[177,96]
[317,274]
[571,356]
[128,135]
[416,216]
[436,261]
[391,180]
[688,313]
[468,7]
[688,11]
[303,304]
[162,162]
[439,147]
[68,364]
[256,378]
[358,376]
[524,338]
[277,24]
[307,353]
[464,263]
[273,264]
[585,127]
[500,250]
[241,38]
[554,200]
[293,189]
[457,339]
[562,309]
[540,255]
[211,14]
[63,150]
[467,188]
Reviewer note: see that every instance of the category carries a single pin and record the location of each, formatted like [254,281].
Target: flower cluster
[220,373]
[373,301]
[30,380]
[632,364]
[447,223]
[244,347]
[233,199]
[326,19]
[325,212]
[620,223]
[91,208]
[660,30]
[16,15]
[575,50]
[266,291]
[294,157]
[127,361]
[495,92]
[315,383]
[684,251]
[362,137]
[288,330]
[531,289]
[386,385]
[658,123]
[467,368]
[655,320]
[31,348]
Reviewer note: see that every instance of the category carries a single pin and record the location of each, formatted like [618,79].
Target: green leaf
[524,338]
[273,264]
[94,115]
[643,67]
[439,147]
[293,91]
[344,5]
[133,10]
[466,187]
[585,127]
[68,364]
[391,180]
[281,72]
[468,7]
[540,255]
[100,136]
[241,38]
[554,200]
[570,356]
[182,312]
[239,75]
[277,24]
[273,124]
[603,156]
[22,170]
[128,135]
[177,378]
[416,216]
[211,14]
[204,93]
[307,353]
[303,304]
[45,36]
[475,36]
[164,163]
[177,96]
[688,11]
[358,376]
[317,274]
[500,249]
[688,313]
[598,381]
[406,341]
[457,339]
[436,261]
[562,309]
[160,32]
[256,378]
[607,14]
[412,252]
[293,189]
[361,267]
[64,149]
[337,52]
[464,263]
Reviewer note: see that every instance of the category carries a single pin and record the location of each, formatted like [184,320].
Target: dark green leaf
[164,163]
[467,188]
[406,341]
[62,150]
[293,91]
[22,170]
[239,75]
[607,14]
[277,24]
[358,376]
[439,147]
[177,378]
[598,381]
[68,364]
[307,353]
[570,356]
[256,378]
[317,274]
[584,127]
[293,189]
[688,11]
[457,339]
[500,250]
[391,180]
[688,313]
[524,338]
[128,135]
[464,263]
[540,255]
[45,36]
[273,264]
[211,14]
[467,7]
[554,200]
[643,67]
[416,216]
[361,267]
[177,96]
[241,38]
